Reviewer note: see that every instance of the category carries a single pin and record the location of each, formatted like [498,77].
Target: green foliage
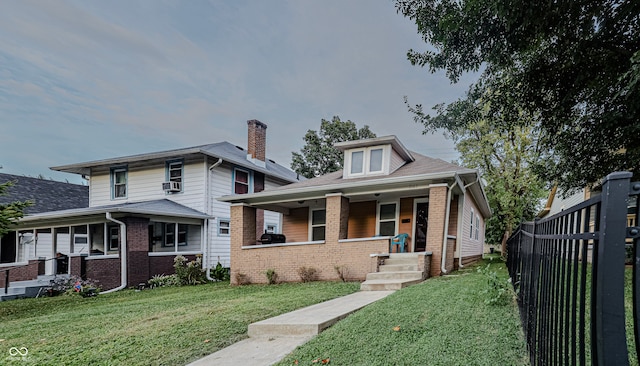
[499,290]
[220,273]
[12,212]
[575,65]
[442,321]
[272,276]
[189,273]
[308,274]
[166,326]
[164,281]
[318,156]
[496,135]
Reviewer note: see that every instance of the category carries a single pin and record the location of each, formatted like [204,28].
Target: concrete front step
[314,319]
[398,267]
[393,261]
[387,285]
[404,275]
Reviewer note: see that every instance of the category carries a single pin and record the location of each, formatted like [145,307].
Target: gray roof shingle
[46,195]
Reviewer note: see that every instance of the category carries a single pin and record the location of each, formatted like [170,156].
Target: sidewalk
[272,339]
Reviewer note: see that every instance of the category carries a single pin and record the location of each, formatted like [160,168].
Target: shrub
[189,273]
[498,290]
[74,285]
[242,279]
[342,272]
[307,274]
[272,276]
[164,281]
[220,273]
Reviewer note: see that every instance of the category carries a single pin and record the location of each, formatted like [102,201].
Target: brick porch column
[337,217]
[435,225]
[243,232]
[137,250]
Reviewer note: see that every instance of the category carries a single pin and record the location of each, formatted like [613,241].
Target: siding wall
[362,224]
[470,246]
[145,183]
[296,225]
[559,203]
[396,161]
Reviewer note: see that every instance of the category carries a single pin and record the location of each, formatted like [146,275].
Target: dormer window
[367,161]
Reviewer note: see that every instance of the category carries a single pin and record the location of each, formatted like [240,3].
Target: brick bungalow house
[347,218]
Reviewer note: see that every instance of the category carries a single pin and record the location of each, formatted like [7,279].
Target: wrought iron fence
[568,271]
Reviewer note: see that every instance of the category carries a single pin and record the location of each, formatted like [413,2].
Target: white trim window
[471,225]
[119,183]
[175,172]
[367,161]
[224,227]
[114,238]
[387,219]
[477,227]
[271,228]
[317,224]
[240,181]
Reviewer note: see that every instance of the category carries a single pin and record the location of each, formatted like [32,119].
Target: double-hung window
[387,219]
[175,174]
[477,227]
[224,227]
[318,224]
[471,226]
[119,182]
[357,162]
[241,181]
[175,234]
[365,161]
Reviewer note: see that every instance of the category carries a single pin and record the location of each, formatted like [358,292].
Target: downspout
[206,255]
[443,260]
[123,255]
[465,189]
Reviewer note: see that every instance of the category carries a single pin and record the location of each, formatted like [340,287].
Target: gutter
[206,254]
[443,260]
[123,254]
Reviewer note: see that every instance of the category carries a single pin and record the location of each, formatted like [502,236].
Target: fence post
[608,323]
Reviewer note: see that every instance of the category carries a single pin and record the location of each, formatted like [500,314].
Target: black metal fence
[568,271]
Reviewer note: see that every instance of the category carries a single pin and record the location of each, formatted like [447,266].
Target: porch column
[337,217]
[243,232]
[137,250]
[435,224]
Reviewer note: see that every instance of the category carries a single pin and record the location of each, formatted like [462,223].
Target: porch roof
[163,207]
[412,177]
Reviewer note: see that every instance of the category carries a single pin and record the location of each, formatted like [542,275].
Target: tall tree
[318,156]
[502,140]
[10,213]
[576,64]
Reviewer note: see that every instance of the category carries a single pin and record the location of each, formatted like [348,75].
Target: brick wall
[24,273]
[137,250]
[163,265]
[286,260]
[106,271]
[435,225]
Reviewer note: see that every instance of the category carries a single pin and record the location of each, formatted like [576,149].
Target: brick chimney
[257,140]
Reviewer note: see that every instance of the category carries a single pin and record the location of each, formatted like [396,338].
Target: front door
[420,235]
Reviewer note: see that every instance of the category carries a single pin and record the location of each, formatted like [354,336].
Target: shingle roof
[46,195]
[224,150]
[162,207]
[421,165]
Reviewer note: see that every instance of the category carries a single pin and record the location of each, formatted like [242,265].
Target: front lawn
[164,326]
[443,321]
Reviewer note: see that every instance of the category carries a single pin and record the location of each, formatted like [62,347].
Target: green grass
[443,321]
[165,326]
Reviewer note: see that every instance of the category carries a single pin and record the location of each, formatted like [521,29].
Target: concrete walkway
[272,339]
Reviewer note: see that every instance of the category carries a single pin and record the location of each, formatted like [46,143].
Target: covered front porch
[345,234]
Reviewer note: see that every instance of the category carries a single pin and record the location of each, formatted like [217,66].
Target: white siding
[559,204]
[63,243]
[220,185]
[470,246]
[145,183]
[44,248]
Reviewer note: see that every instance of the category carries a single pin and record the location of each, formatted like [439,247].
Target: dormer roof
[377,141]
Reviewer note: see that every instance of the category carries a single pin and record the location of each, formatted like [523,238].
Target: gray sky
[89,80]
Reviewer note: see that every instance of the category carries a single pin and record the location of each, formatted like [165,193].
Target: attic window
[367,161]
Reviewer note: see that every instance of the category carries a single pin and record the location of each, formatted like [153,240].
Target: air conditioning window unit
[172,186]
